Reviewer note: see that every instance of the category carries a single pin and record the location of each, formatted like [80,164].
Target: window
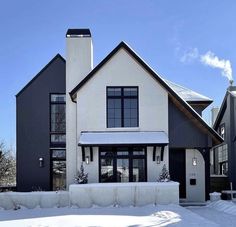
[122,107]
[58,141]
[122,164]
[58,169]
[219,160]
[222,130]
[57,119]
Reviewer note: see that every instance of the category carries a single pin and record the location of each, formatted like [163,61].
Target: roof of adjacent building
[230,91]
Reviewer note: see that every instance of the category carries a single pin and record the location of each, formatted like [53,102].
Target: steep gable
[180,102]
[51,64]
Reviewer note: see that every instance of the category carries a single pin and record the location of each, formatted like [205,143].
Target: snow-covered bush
[164,175]
[81,177]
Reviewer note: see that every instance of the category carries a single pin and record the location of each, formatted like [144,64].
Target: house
[223,157]
[120,118]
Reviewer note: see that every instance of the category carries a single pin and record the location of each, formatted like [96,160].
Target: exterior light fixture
[194,161]
[41,162]
[158,159]
[87,160]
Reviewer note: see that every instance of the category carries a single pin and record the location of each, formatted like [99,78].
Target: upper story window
[122,107]
[58,118]
[222,130]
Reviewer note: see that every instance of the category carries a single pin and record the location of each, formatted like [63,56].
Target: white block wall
[12,200]
[124,194]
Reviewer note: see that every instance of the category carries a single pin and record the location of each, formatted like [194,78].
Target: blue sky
[171,36]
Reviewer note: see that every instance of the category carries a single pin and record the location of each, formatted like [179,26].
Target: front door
[177,169]
[122,164]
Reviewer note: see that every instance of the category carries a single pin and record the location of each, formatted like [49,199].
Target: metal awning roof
[123,138]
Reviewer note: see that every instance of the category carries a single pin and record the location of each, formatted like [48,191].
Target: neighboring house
[224,156]
[123,121]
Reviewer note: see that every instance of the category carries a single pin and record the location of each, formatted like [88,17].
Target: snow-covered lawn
[221,212]
[160,215]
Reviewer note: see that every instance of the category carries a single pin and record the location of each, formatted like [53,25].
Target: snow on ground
[160,215]
[221,212]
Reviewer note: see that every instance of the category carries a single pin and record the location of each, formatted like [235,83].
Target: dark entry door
[177,169]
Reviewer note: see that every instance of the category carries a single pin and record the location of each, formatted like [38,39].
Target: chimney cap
[78,32]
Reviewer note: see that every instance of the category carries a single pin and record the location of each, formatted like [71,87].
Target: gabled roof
[196,117]
[44,68]
[230,91]
[188,95]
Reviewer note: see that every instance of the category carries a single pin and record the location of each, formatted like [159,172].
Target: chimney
[79,62]
[79,56]
[214,113]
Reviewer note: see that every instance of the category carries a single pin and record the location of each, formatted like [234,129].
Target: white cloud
[213,61]
[190,55]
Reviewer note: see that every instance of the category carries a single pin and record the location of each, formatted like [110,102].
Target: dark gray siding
[228,119]
[198,108]
[33,125]
[183,133]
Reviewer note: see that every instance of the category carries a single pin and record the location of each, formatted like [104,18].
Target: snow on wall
[124,194]
[11,200]
[104,195]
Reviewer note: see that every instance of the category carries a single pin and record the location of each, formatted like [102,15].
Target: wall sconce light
[87,160]
[41,162]
[158,159]
[194,161]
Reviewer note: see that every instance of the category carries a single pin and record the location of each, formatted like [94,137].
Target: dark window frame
[55,144]
[130,158]
[220,127]
[122,97]
[52,159]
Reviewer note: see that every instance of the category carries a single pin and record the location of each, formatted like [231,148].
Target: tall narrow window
[58,141]
[122,107]
[58,119]
[58,169]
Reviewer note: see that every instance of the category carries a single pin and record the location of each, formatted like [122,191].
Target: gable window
[122,107]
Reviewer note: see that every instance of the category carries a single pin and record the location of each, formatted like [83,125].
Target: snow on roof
[111,138]
[187,94]
[233,93]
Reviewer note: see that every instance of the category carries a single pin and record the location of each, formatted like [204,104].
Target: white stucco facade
[87,112]
[122,70]
[79,62]
[195,192]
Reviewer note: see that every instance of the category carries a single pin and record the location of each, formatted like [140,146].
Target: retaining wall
[87,195]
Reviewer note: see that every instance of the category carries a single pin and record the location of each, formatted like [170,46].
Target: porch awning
[123,138]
